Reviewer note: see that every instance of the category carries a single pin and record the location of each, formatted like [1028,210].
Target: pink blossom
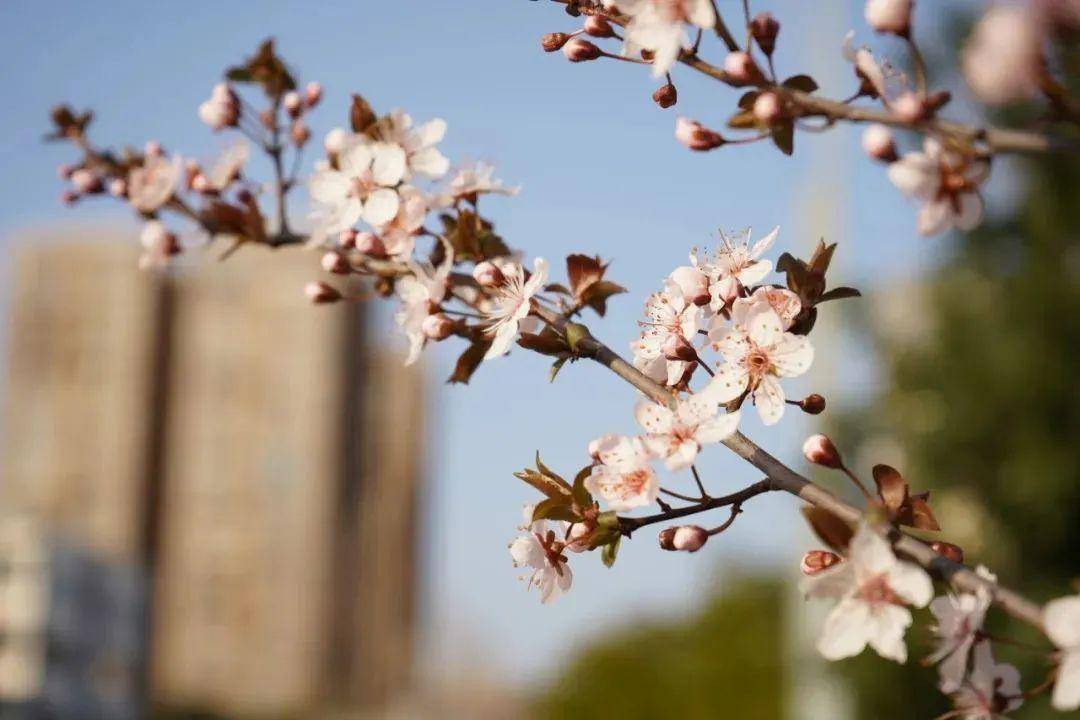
[623,477]
[676,436]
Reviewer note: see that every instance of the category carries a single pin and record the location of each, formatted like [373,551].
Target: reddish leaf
[833,531]
[891,487]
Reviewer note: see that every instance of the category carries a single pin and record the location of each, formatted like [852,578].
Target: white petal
[889,622]
[732,344]
[764,244]
[846,630]
[765,327]
[1067,688]
[934,217]
[388,164]
[381,207]
[429,161]
[911,583]
[915,174]
[504,336]
[718,429]
[431,132]
[1062,618]
[356,159]
[526,552]
[792,356]
[754,273]
[538,277]
[769,400]
[954,668]
[701,13]
[697,409]
[971,211]
[833,582]
[683,456]
[728,383]
[656,419]
[870,552]
[329,186]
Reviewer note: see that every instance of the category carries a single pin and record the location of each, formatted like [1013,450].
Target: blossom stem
[680,496]
[700,485]
[705,366]
[736,509]
[629,524]
[919,64]
[858,483]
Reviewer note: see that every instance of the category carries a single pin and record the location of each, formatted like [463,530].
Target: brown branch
[629,524]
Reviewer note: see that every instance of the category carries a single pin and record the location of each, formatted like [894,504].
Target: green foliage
[728,662]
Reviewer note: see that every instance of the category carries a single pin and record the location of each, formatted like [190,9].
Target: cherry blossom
[670,319]
[1002,61]
[472,180]
[784,303]
[1062,617]
[540,550]
[222,109]
[991,690]
[946,182]
[623,478]
[757,352]
[871,72]
[153,184]
[418,142]
[676,436]
[227,167]
[872,585]
[362,187]
[959,620]
[421,294]
[159,245]
[512,303]
[737,265]
[660,26]
[399,235]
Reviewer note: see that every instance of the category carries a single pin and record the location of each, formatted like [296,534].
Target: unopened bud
[312,94]
[336,263]
[86,181]
[696,136]
[578,50]
[118,187]
[764,27]
[689,538]
[553,41]
[665,96]
[889,16]
[767,108]
[293,103]
[437,326]
[910,107]
[200,183]
[335,141]
[877,142]
[741,69]
[487,274]
[815,561]
[676,347]
[383,286]
[370,244]
[598,26]
[320,293]
[69,197]
[64,171]
[153,149]
[347,239]
[300,133]
[245,196]
[948,550]
[820,450]
[813,404]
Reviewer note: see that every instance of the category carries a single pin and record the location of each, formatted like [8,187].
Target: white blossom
[757,352]
[228,165]
[421,294]
[474,179]
[153,184]
[872,586]
[540,550]
[623,477]
[660,27]
[361,188]
[1062,618]
[668,317]
[399,235]
[946,182]
[158,243]
[418,142]
[991,690]
[959,620]
[736,265]
[677,436]
[1002,61]
[512,302]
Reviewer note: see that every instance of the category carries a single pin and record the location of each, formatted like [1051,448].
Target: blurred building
[208,494]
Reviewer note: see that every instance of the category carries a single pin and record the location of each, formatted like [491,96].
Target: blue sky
[600,172]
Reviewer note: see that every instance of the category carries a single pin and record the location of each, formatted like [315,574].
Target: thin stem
[705,366]
[858,483]
[919,63]
[736,509]
[629,524]
[700,485]
[680,496]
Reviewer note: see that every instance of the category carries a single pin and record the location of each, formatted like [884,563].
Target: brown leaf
[921,515]
[891,487]
[833,531]
[468,362]
[582,271]
[598,293]
[361,116]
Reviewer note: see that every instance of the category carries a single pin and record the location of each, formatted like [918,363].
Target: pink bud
[910,107]
[69,197]
[813,404]
[665,96]
[598,26]
[118,187]
[201,184]
[300,133]
[487,274]
[312,94]
[336,263]
[767,108]
[764,27]
[335,141]
[689,538]
[946,549]
[578,50]
[153,149]
[437,326]
[889,16]
[815,561]
[245,196]
[877,142]
[64,171]
[293,103]
[347,239]
[696,136]
[820,450]
[370,244]
[320,293]
[86,181]
[741,69]
[553,41]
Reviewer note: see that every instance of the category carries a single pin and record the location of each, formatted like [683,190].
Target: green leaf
[805,83]
[575,333]
[581,495]
[544,469]
[783,136]
[556,367]
[545,484]
[611,550]
[608,520]
[556,508]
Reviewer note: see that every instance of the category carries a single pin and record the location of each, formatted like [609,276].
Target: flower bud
[889,16]
[553,41]
[741,69]
[64,171]
[764,27]
[812,404]
[665,96]
[153,149]
[245,197]
[676,347]
[347,239]
[336,263]
[335,141]
[370,244]
[118,187]
[437,326]
[767,108]
[200,183]
[312,94]
[820,450]
[300,133]
[598,26]
[689,538]
[86,181]
[320,293]
[293,103]
[578,50]
[69,197]
[910,107]
[948,550]
[696,136]
[815,561]
[487,274]
[877,142]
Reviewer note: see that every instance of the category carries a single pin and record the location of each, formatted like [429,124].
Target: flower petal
[846,630]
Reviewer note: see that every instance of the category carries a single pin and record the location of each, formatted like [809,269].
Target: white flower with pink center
[153,183]
[399,235]
[757,352]
[512,303]
[676,436]
[873,587]
[959,620]
[946,182]
[664,351]
[361,188]
[541,551]
[991,690]
[624,479]
[660,27]
[737,265]
[421,294]
[471,180]
[784,303]
[1062,618]
[418,142]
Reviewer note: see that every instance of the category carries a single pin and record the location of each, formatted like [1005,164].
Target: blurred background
[218,502]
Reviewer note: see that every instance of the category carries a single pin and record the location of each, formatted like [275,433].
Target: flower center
[876,591]
[634,481]
[758,362]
